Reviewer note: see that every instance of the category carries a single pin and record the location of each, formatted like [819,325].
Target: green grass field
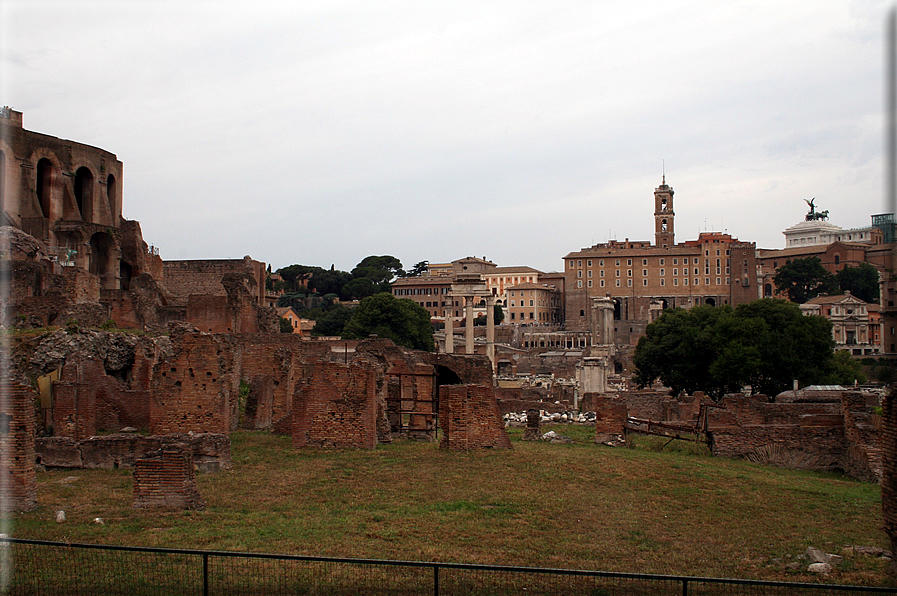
[583,506]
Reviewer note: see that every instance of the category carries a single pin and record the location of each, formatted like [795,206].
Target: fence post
[205,574]
[435,580]
[684,587]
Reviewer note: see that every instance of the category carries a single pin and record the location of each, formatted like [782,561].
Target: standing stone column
[602,321]
[468,329]
[490,330]
[450,327]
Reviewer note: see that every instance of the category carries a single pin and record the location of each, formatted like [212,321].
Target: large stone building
[71,256]
[643,279]
[856,324]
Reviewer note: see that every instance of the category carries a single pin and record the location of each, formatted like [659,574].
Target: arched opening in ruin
[618,310]
[446,376]
[111,194]
[43,184]
[710,301]
[2,180]
[663,303]
[125,275]
[84,193]
[618,367]
[767,290]
[101,260]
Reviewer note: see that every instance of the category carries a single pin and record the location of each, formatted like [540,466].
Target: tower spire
[663,169]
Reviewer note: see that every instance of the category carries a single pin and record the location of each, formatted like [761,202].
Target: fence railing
[35,567]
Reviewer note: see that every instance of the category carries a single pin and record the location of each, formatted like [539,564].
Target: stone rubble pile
[515,418]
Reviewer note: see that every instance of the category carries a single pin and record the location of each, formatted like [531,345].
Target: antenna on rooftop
[663,169]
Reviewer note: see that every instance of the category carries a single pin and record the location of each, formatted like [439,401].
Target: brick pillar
[18,482]
[889,468]
[166,479]
[610,418]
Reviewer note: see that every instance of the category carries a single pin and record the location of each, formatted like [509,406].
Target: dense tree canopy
[372,275]
[804,279]
[401,320]
[765,344]
[860,281]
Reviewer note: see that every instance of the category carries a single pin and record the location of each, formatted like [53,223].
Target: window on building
[629,282]
[644,282]
[675,261]
[629,261]
[590,273]
[579,263]
[579,283]
[662,273]
[618,283]
[617,273]
[589,262]
[601,262]
[675,272]
[618,262]
[629,273]
[590,283]
[601,273]
[675,282]
[579,273]
[661,261]
[601,283]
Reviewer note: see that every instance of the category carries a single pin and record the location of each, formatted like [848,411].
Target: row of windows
[662,282]
[685,260]
[662,272]
[420,291]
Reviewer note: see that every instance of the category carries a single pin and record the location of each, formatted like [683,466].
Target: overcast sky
[320,133]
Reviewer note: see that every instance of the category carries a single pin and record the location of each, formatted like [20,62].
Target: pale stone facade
[640,278]
[856,324]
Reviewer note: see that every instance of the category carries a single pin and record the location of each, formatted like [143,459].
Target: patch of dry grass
[570,506]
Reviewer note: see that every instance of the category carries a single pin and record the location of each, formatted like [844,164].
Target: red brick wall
[746,424]
[889,467]
[74,410]
[166,480]
[19,491]
[469,417]
[197,388]
[210,314]
[337,407]
[610,416]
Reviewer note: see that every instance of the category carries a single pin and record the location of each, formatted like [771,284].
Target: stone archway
[103,261]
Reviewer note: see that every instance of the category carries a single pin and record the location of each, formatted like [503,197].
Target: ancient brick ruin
[166,479]
[889,468]
[211,452]
[470,418]
[18,485]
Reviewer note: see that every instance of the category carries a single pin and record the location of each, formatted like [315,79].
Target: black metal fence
[56,568]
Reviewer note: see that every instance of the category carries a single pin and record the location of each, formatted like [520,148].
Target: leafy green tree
[499,314]
[401,320]
[860,281]
[844,370]
[804,279]
[361,287]
[416,271]
[765,344]
[379,271]
[285,325]
[332,322]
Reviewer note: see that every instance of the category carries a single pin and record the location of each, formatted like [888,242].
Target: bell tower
[663,215]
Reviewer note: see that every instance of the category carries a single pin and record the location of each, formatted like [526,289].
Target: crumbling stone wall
[470,419]
[862,456]
[800,435]
[211,451]
[337,406]
[610,417]
[197,388]
[889,468]
[204,277]
[166,479]
[18,492]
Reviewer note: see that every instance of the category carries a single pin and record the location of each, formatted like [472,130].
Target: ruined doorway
[101,249]
[43,184]
[111,191]
[710,301]
[618,310]
[84,193]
